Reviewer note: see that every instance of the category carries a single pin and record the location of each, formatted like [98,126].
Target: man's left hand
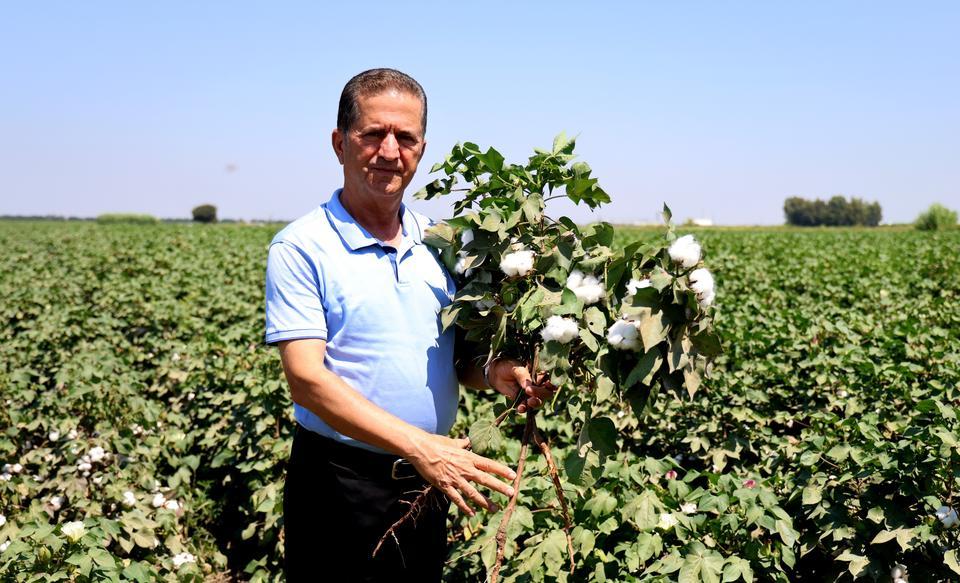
[509,377]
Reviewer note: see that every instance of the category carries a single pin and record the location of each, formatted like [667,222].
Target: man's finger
[463,443]
[492,467]
[539,391]
[534,402]
[475,495]
[488,481]
[522,376]
[458,501]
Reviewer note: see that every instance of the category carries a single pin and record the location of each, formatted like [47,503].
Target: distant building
[701,222]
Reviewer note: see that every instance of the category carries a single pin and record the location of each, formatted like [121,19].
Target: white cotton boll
[667,521]
[707,300]
[53,435]
[129,499]
[623,335]
[4,546]
[574,279]
[685,251]
[560,329]
[72,435]
[518,263]
[948,516]
[461,267]
[182,559]
[158,500]
[16,469]
[73,530]
[6,477]
[701,281]
[98,480]
[171,505]
[688,508]
[898,572]
[84,467]
[634,286]
[3,520]
[97,453]
[56,502]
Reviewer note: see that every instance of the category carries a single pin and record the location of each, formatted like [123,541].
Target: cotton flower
[4,546]
[560,329]
[56,502]
[73,530]
[54,435]
[750,484]
[588,288]
[182,559]
[623,334]
[172,505]
[688,508]
[671,475]
[685,251]
[3,520]
[96,454]
[518,263]
[158,500]
[129,499]
[948,516]
[667,521]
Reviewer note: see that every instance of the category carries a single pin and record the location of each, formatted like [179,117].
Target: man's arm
[442,461]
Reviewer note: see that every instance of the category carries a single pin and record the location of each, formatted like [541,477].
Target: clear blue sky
[721,109]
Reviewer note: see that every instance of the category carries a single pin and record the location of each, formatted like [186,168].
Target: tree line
[838,211]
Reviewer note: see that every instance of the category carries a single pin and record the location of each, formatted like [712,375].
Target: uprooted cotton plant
[604,324]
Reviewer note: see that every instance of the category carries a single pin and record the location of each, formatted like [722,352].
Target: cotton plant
[605,324]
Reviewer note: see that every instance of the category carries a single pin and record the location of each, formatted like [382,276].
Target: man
[353,301]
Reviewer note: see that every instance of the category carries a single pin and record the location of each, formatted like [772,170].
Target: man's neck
[380,220]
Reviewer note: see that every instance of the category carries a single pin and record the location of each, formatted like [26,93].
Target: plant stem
[528,430]
[555,476]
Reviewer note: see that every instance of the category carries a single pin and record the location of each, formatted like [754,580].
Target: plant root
[416,506]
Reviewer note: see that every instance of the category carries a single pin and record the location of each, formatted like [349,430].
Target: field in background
[835,396]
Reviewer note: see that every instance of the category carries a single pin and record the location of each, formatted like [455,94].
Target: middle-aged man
[353,301]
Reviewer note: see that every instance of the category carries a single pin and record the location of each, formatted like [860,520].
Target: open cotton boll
[158,500]
[96,454]
[461,267]
[574,279]
[56,502]
[129,499]
[518,263]
[3,520]
[685,251]
[689,508]
[701,281]
[667,521]
[635,285]
[54,435]
[560,329]
[182,559]
[623,335]
[586,287]
[948,516]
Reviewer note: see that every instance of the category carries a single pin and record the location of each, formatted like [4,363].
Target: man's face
[381,151]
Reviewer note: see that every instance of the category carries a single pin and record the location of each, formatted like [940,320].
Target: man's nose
[389,147]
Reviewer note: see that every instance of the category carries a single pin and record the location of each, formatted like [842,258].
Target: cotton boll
[633,286]
[172,505]
[688,508]
[667,521]
[73,530]
[623,335]
[84,467]
[948,516]
[4,546]
[56,502]
[518,263]
[182,559]
[3,520]
[461,267]
[685,251]
[701,281]
[574,279]
[560,329]
[72,435]
[97,453]
[707,301]
[129,499]
[158,500]
[53,435]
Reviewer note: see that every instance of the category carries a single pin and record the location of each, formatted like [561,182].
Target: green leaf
[448,315]
[950,560]
[600,435]
[644,370]
[595,320]
[857,562]
[605,388]
[485,437]
[654,328]
[812,495]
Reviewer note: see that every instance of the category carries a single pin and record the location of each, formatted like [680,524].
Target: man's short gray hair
[374,82]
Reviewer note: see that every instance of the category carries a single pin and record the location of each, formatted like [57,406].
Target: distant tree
[936,218]
[129,218]
[205,213]
[838,211]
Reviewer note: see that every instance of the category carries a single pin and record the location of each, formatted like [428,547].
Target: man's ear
[337,141]
[423,148]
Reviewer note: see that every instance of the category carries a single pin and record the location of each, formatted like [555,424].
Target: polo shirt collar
[356,237]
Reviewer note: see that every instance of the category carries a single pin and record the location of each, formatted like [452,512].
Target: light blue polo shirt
[377,308]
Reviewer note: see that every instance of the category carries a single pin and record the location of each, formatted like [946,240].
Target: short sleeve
[294,300]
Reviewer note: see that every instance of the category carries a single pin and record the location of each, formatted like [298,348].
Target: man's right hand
[450,466]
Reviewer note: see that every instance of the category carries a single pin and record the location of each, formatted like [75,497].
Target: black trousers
[337,503]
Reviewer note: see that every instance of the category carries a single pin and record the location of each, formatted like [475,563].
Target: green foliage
[129,218]
[936,218]
[838,211]
[205,213]
[836,394]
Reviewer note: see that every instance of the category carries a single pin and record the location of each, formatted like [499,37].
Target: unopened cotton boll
[623,335]
[73,530]
[560,329]
[685,251]
[158,500]
[518,263]
[948,516]
[182,559]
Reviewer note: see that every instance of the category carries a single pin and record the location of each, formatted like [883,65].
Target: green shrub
[205,213]
[126,218]
[936,218]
